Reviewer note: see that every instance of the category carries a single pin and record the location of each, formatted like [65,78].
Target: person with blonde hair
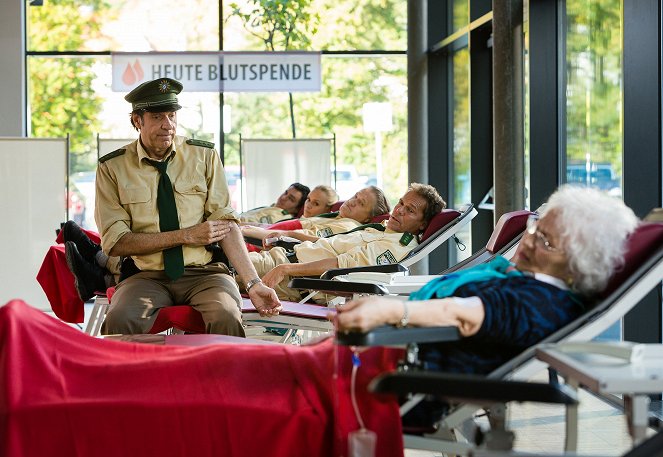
[319,201]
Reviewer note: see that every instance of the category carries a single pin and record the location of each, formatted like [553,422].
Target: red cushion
[438,221]
[290,224]
[507,228]
[645,241]
[336,206]
[379,218]
[182,317]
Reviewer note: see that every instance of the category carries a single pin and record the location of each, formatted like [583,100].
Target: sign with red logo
[221,71]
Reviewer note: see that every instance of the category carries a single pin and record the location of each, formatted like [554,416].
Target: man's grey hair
[593,229]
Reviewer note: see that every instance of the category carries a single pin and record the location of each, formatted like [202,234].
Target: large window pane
[594,123]
[333,25]
[121,25]
[460,16]
[461,141]
[348,83]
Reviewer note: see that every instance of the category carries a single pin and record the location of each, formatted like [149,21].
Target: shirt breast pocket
[134,195]
[191,195]
[191,187]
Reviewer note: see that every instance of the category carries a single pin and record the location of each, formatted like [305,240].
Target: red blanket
[65,393]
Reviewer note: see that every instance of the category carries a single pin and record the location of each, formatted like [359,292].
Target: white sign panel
[221,71]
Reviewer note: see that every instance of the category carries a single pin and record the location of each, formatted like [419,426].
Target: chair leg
[97,315]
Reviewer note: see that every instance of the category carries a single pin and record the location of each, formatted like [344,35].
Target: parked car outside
[83,184]
[348,181]
[234,181]
[601,176]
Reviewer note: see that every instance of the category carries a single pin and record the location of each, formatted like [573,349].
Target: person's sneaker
[86,247]
[88,276]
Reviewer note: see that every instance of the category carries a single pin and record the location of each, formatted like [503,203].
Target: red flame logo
[133,74]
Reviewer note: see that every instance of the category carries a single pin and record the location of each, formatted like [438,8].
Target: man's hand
[208,232]
[265,300]
[275,275]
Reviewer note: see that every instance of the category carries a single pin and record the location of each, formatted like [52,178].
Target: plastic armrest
[287,245]
[471,388]
[388,268]
[392,336]
[339,288]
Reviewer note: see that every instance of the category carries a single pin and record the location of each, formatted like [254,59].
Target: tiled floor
[540,428]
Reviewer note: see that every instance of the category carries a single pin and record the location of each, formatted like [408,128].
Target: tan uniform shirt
[360,248]
[322,227]
[126,196]
[265,215]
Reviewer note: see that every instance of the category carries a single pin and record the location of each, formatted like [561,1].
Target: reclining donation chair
[394,279]
[643,271]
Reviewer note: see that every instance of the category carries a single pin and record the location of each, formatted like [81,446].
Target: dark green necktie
[173,260]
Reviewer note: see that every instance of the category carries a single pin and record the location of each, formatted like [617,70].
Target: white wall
[32,204]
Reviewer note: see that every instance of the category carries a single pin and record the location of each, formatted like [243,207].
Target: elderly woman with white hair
[501,308]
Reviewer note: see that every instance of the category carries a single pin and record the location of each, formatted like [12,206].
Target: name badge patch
[406,238]
[324,233]
[386,258]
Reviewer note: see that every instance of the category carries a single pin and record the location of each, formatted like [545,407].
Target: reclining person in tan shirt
[389,243]
[287,206]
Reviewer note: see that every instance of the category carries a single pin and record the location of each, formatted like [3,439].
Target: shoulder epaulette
[112,155]
[204,144]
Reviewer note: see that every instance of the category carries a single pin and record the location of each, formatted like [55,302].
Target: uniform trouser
[265,261]
[113,265]
[209,289]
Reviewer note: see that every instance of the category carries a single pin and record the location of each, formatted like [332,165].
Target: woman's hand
[367,313]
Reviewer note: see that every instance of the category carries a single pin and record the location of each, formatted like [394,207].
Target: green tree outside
[61,94]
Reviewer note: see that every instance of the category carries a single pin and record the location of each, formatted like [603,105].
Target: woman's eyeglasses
[540,239]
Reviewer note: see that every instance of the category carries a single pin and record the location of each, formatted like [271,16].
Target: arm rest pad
[388,335]
[388,268]
[340,288]
[470,388]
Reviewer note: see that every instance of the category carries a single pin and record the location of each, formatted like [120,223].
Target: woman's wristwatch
[252,283]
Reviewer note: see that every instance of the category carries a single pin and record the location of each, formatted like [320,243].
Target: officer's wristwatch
[252,283]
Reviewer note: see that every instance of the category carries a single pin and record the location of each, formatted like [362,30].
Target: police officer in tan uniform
[161,200]
[388,242]
[287,206]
